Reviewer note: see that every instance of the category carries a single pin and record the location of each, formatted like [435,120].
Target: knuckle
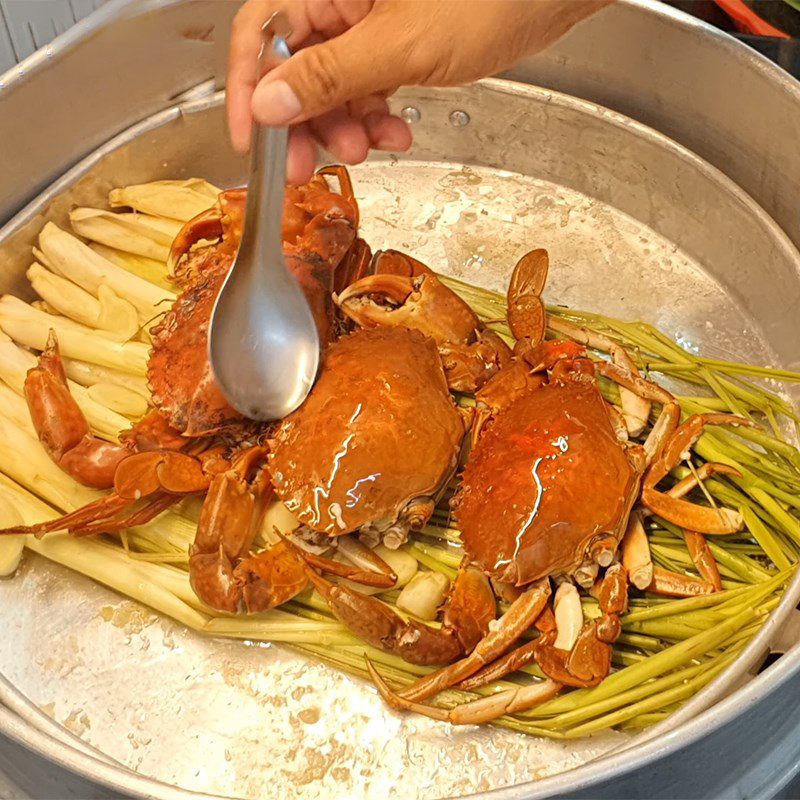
[321,72]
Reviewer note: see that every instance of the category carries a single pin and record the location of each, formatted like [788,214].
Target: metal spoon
[263,343]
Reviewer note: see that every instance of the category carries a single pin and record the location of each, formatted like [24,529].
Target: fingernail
[275,103]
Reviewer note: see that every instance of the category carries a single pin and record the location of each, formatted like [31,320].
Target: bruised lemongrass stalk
[149,269]
[70,257]
[26,328]
[135,233]
[179,200]
[87,374]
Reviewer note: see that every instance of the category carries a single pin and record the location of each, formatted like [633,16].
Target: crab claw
[224,220]
[526,313]
[423,303]
[207,225]
[393,262]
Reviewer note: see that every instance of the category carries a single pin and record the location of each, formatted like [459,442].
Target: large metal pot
[627,59]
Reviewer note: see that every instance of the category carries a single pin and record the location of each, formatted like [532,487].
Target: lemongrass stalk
[789,523]
[107,314]
[134,233]
[252,630]
[429,561]
[450,557]
[675,694]
[11,547]
[37,473]
[443,532]
[668,659]
[735,604]
[118,399]
[73,259]
[102,562]
[15,409]
[110,566]
[179,200]
[639,641]
[647,720]
[128,357]
[87,374]
[667,629]
[64,296]
[764,537]
[25,461]
[682,561]
[149,269]
[648,689]
[743,566]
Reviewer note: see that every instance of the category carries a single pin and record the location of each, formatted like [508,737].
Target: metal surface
[638,57]
[263,342]
[193,711]
[726,103]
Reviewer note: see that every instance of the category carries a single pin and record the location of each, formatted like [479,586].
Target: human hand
[350,55]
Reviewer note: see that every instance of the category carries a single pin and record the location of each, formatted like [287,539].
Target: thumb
[319,78]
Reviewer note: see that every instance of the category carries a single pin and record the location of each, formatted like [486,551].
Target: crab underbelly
[378,430]
[546,479]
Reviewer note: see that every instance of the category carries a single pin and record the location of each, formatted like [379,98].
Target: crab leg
[519,617]
[674,585]
[468,612]
[270,578]
[703,558]
[103,509]
[366,577]
[695,542]
[353,267]
[636,556]
[703,519]
[423,303]
[413,297]
[485,709]
[231,514]
[635,407]
[471,607]
[667,455]
[381,627]
[682,441]
[706,470]
[510,662]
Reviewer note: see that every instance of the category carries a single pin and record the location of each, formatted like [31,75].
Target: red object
[747,21]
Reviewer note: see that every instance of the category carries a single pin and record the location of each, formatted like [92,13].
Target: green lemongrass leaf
[675,694]
[765,538]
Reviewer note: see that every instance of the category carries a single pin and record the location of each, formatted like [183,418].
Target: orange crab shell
[378,430]
[545,479]
[178,371]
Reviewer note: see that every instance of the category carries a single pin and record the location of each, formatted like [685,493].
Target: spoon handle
[267,154]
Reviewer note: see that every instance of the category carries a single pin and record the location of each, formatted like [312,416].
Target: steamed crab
[317,464]
[548,492]
[194,442]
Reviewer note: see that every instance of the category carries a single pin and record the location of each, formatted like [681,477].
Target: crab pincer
[403,292]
